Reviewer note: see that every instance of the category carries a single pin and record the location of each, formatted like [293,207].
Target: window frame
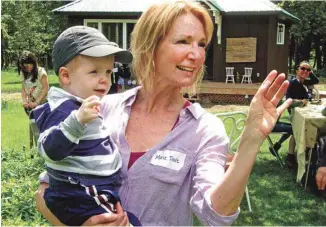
[124,23]
[280,36]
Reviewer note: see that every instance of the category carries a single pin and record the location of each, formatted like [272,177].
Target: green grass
[276,198]
[11,82]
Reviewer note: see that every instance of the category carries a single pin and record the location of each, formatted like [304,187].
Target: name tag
[169,159]
[115,70]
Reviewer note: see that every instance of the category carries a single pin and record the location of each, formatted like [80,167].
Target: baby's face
[90,75]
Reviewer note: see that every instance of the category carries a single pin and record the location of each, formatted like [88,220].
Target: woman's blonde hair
[152,27]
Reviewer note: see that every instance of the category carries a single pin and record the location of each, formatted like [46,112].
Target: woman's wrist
[252,138]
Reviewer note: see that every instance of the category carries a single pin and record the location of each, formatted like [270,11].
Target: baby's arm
[62,135]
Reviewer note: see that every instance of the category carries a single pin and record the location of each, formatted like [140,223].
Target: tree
[310,33]
[29,25]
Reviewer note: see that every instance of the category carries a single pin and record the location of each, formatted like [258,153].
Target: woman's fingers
[284,106]
[102,219]
[280,92]
[119,208]
[125,221]
[321,178]
[118,219]
[266,84]
[275,85]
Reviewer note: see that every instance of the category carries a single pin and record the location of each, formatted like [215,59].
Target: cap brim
[122,56]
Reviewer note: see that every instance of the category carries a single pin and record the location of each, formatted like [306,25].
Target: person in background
[117,73]
[174,152]
[298,90]
[34,81]
[299,93]
[321,166]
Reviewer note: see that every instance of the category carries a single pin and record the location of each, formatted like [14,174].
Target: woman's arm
[263,114]
[321,178]
[41,206]
[24,96]
[118,219]
[44,92]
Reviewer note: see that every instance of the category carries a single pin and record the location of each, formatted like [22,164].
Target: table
[306,121]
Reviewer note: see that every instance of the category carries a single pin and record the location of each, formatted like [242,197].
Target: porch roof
[227,7]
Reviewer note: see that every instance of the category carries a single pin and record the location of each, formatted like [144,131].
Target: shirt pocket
[171,166]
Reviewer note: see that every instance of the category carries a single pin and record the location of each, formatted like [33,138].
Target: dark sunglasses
[304,68]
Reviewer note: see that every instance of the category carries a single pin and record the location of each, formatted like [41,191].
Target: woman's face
[181,54]
[28,67]
[303,71]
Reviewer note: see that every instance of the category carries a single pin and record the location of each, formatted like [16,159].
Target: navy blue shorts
[74,204]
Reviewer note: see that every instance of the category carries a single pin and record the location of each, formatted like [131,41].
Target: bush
[321,73]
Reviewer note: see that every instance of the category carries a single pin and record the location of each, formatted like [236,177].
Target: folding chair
[246,78]
[235,122]
[229,74]
[278,129]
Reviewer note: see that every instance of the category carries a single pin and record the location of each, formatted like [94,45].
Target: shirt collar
[129,97]
[196,110]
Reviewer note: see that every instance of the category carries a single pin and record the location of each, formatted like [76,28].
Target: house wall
[277,54]
[268,56]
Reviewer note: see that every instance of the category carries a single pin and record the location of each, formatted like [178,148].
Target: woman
[300,84]
[298,91]
[175,150]
[34,81]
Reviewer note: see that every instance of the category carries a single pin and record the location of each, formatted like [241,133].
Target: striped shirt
[71,149]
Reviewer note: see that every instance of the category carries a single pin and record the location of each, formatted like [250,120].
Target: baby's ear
[64,76]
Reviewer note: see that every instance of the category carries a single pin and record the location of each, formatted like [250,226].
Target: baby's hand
[89,110]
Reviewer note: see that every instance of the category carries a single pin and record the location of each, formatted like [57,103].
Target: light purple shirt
[171,181]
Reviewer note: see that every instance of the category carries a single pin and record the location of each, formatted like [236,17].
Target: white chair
[315,94]
[234,123]
[246,78]
[229,74]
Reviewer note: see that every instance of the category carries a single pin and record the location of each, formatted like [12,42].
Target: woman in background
[34,81]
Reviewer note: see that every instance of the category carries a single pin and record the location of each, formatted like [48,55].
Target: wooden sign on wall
[241,49]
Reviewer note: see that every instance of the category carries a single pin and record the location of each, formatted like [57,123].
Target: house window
[117,31]
[113,31]
[280,33]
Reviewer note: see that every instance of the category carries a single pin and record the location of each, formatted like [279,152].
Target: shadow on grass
[277,199]
[14,82]
[18,82]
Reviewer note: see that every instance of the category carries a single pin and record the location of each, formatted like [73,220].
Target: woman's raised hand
[263,111]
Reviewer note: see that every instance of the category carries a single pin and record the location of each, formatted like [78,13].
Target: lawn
[276,199]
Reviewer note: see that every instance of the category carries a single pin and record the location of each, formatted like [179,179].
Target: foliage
[309,33]
[29,25]
[321,73]
[19,172]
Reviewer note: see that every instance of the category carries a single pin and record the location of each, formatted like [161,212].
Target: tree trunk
[291,52]
[306,48]
[324,55]
[317,40]
[297,54]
